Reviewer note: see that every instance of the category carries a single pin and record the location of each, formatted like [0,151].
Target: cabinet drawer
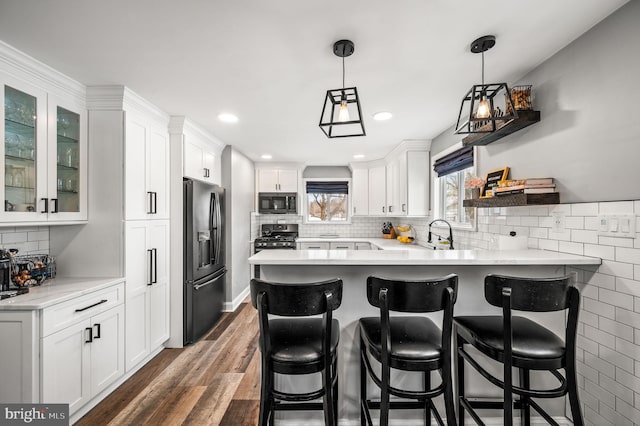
[342,246]
[314,246]
[64,314]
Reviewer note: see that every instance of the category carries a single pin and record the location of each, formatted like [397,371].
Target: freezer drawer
[203,305]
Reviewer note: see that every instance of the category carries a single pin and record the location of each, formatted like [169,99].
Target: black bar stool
[298,345]
[519,342]
[409,343]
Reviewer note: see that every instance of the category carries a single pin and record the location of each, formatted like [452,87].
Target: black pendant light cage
[330,122]
[330,110]
[497,95]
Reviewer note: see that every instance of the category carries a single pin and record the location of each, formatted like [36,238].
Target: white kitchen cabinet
[360,192]
[314,246]
[362,246]
[147,292]
[277,180]
[377,191]
[146,168]
[44,172]
[200,163]
[83,359]
[408,184]
[341,245]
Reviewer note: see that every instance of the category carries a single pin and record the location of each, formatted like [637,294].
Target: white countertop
[412,255]
[55,291]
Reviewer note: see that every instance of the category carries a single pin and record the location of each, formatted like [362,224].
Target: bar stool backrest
[426,295]
[530,294]
[298,299]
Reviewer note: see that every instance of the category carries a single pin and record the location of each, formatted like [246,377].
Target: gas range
[277,236]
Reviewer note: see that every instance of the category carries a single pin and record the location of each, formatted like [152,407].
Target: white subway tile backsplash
[589,318]
[627,286]
[627,348]
[616,388]
[38,235]
[636,272]
[539,233]
[616,207]
[584,236]
[626,316]
[592,418]
[615,241]
[617,299]
[548,245]
[590,292]
[574,222]
[588,372]
[573,248]
[560,235]
[13,237]
[601,365]
[587,345]
[584,209]
[624,270]
[592,223]
[617,329]
[628,411]
[599,308]
[601,280]
[564,209]
[602,395]
[529,221]
[617,418]
[628,380]
[604,252]
[628,255]
[617,359]
[599,336]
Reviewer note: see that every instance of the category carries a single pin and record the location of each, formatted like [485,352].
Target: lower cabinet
[341,245]
[314,246]
[362,246]
[147,288]
[82,360]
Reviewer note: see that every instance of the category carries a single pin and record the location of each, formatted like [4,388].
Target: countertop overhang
[419,257]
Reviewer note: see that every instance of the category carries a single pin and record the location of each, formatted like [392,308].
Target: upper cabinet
[277,180]
[201,151]
[360,191]
[377,193]
[44,176]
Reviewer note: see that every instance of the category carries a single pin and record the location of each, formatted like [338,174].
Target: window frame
[305,203]
[437,185]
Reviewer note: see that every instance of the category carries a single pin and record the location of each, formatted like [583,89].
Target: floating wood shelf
[525,118]
[514,200]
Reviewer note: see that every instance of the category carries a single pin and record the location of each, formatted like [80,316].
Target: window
[327,201]
[452,169]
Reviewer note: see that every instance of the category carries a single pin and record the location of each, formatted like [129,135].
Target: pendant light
[341,113]
[486,107]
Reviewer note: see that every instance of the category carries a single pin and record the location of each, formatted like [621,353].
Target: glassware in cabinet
[68,160]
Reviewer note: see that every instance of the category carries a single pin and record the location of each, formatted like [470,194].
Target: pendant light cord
[483,69]
[343,72]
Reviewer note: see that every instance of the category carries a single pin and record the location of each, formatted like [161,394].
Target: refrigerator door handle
[211,281]
[218,229]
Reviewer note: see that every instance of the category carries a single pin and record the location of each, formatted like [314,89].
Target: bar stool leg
[327,400]
[384,395]
[572,385]
[460,376]
[265,396]
[427,402]
[334,374]
[525,412]
[508,395]
[363,386]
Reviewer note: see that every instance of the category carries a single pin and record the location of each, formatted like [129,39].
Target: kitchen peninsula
[354,266]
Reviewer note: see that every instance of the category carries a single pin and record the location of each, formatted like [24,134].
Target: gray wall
[588,138]
[238,181]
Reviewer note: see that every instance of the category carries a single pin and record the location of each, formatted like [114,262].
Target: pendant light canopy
[486,107]
[341,114]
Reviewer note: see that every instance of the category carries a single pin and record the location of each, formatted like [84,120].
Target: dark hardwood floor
[213,382]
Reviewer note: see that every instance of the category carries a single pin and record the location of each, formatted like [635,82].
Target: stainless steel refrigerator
[204,257]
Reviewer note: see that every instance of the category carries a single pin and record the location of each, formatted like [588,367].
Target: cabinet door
[158,173]
[67,183]
[192,166]
[138,277]
[107,349]
[377,193]
[24,132]
[400,195]
[363,246]
[209,163]
[158,243]
[390,181]
[288,180]
[418,183]
[360,192]
[342,246]
[267,180]
[136,198]
[65,365]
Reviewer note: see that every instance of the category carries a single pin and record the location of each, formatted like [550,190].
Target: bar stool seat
[297,345]
[412,339]
[530,340]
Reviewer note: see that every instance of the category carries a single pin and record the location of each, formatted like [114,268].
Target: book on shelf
[540,190]
[539,181]
[508,191]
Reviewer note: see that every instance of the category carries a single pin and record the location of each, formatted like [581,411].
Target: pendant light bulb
[483,109]
[343,114]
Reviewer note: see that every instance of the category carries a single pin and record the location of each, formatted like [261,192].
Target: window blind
[455,161]
[333,187]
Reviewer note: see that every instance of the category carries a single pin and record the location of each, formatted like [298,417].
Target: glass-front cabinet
[44,152]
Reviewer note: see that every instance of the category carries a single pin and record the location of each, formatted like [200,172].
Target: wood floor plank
[213,403]
[249,388]
[241,413]
[237,354]
[197,373]
[125,393]
[176,406]
[226,319]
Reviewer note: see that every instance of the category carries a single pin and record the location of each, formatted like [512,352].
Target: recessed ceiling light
[358,156]
[382,115]
[228,118]
[266,156]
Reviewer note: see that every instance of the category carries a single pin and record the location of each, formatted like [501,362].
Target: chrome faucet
[450,239]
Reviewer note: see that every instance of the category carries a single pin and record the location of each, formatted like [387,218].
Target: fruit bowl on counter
[406,234]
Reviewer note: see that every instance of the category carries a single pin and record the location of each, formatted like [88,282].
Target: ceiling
[271,62]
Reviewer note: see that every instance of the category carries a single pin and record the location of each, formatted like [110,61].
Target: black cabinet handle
[54,201]
[382,209]
[91,306]
[46,205]
[150,253]
[154,253]
[90,330]
[97,336]
[155,203]
[150,211]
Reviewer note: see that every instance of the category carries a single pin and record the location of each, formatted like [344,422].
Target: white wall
[238,181]
[588,138]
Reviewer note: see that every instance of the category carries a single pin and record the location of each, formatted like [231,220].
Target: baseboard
[232,306]
[489,421]
[102,395]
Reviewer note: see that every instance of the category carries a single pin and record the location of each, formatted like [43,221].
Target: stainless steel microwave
[277,202]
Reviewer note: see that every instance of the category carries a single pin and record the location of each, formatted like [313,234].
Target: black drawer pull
[91,306]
